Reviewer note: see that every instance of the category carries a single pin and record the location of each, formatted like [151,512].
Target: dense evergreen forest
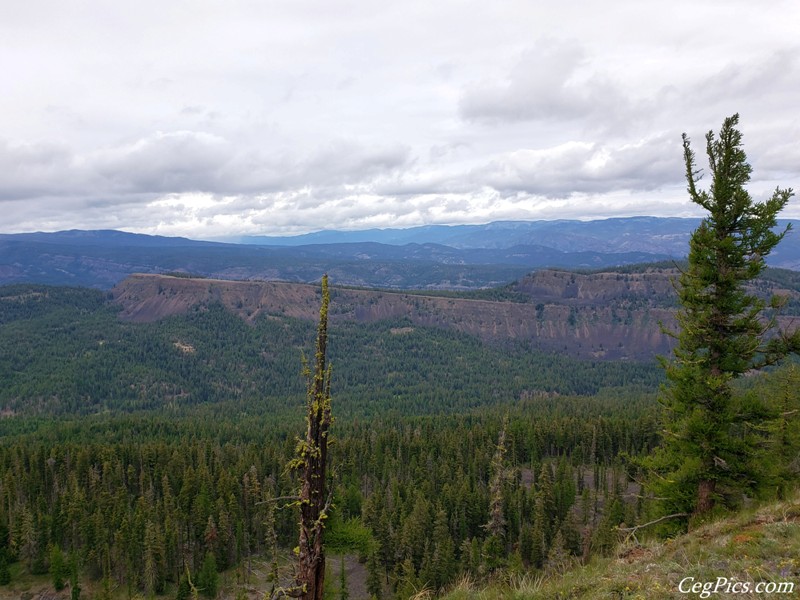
[139,457]
[63,351]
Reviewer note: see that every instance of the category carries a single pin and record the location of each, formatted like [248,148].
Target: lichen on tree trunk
[311,462]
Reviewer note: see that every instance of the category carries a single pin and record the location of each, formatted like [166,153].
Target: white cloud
[202,118]
[585,168]
[553,80]
[178,161]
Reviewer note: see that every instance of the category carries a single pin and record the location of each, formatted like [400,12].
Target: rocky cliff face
[652,287]
[611,316]
[581,316]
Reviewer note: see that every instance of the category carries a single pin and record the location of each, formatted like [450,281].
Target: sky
[206,118]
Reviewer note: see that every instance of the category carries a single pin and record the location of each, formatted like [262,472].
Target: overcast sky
[210,118]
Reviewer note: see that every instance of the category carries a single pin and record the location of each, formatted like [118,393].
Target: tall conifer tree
[724,331]
[497,520]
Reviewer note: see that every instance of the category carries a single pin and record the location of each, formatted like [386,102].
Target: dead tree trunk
[312,461]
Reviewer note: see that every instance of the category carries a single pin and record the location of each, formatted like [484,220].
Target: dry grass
[753,546]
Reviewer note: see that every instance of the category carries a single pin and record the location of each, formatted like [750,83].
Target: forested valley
[151,459]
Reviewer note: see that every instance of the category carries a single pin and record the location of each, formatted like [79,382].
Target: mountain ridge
[554,322]
[430,257]
[609,315]
[560,234]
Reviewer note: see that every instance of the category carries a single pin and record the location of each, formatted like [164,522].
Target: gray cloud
[199,119]
[582,167]
[180,161]
[32,170]
[551,81]
[188,161]
[767,78]
[347,162]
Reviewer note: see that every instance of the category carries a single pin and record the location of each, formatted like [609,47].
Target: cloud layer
[204,119]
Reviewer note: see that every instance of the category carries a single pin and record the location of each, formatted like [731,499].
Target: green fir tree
[58,568]
[5,574]
[374,578]
[208,578]
[725,331]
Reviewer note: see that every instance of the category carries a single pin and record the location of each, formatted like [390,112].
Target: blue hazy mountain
[103,237]
[639,234]
[430,257]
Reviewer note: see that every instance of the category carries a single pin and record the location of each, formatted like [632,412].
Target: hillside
[162,441]
[562,314]
[757,546]
[66,351]
[606,315]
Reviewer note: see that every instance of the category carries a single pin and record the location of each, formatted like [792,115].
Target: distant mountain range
[654,235]
[431,257]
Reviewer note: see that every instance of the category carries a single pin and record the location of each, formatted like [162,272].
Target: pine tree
[5,574]
[427,573]
[226,550]
[545,503]
[208,578]
[494,547]
[571,532]
[106,589]
[408,584]
[26,537]
[492,554]
[416,530]
[544,513]
[184,591]
[538,543]
[526,543]
[605,537]
[443,559]
[150,573]
[558,558]
[722,332]
[74,581]
[374,579]
[271,540]
[39,563]
[58,568]
[497,521]
[780,454]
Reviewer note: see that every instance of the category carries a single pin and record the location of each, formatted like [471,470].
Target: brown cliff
[600,315]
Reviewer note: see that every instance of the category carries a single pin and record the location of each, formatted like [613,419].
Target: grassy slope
[760,544]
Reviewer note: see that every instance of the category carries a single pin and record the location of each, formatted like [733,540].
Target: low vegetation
[756,545]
